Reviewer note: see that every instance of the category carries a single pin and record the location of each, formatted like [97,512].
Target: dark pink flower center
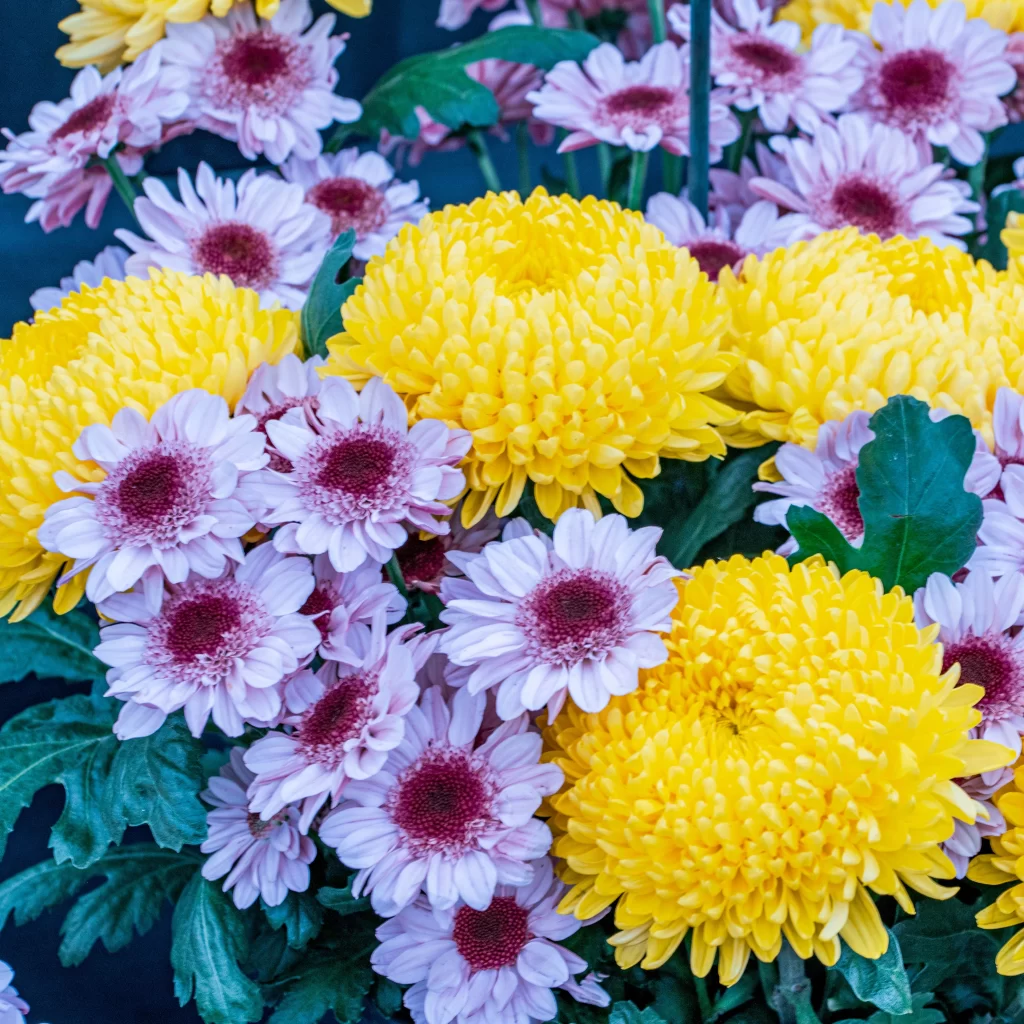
[491,938]
[863,203]
[150,490]
[199,626]
[359,466]
[320,603]
[840,501]
[714,255]
[770,58]
[337,717]
[256,60]
[650,100]
[992,661]
[240,251]
[915,81]
[260,829]
[442,801]
[275,412]
[262,71]
[350,203]
[93,116]
[421,561]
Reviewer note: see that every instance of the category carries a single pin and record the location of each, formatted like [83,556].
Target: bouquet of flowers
[595,608]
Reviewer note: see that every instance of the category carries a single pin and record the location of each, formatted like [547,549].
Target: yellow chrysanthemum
[109,32]
[574,342]
[808,14]
[798,748]
[846,321]
[126,343]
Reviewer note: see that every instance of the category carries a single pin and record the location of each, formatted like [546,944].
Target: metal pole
[700,105]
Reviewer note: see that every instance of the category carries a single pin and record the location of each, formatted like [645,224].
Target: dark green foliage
[882,982]
[321,312]
[300,916]
[48,644]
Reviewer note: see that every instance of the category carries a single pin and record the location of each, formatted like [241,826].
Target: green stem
[700,104]
[121,183]
[792,998]
[976,177]
[395,572]
[478,145]
[656,10]
[533,6]
[637,180]
[604,162]
[738,150]
[523,153]
[572,175]
[672,172]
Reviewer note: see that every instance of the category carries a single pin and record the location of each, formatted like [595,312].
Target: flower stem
[121,184]
[637,180]
[700,104]
[738,150]
[656,10]
[533,6]
[792,997]
[671,172]
[395,573]
[478,145]
[523,152]
[572,175]
[604,162]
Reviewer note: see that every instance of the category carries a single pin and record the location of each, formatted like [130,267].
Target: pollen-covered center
[994,662]
[915,84]
[443,801]
[199,627]
[714,255]
[770,59]
[319,606]
[840,501]
[260,829]
[864,203]
[350,203]
[640,103]
[491,938]
[421,561]
[242,252]
[277,461]
[89,118]
[574,614]
[336,718]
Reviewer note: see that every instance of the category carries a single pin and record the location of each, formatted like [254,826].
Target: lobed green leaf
[50,645]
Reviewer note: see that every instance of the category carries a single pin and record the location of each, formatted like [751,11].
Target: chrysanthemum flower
[764,68]
[777,750]
[639,105]
[109,262]
[261,233]
[210,646]
[1003,865]
[169,500]
[716,245]
[1014,101]
[873,177]
[844,322]
[344,720]
[935,76]
[473,966]
[267,85]
[426,561]
[127,343]
[358,191]
[445,815]
[731,191]
[574,615]
[357,473]
[967,839]
[265,859]
[574,342]
[12,1007]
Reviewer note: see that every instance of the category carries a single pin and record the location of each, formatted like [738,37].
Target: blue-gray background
[134,986]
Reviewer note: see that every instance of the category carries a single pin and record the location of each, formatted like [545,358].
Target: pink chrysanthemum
[169,502]
[576,614]
[261,233]
[826,478]
[966,840]
[445,815]
[639,105]
[935,76]
[483,966]
[731,191]
[109,263]
[760,230]
[358,472]
[219,647]
[871,176]
[343,722]
[266,84]
[1015,58]
[359,191]
[764,67]
[12,1007]
[261,858]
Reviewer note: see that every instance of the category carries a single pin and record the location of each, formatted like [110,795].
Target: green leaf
[439,83]
[51,646]
[321,312]
[919,1013]
[139,880]
[918,519]
[341,901]
[630,1013]
[735,996]
[209,938]
[300,915]
[388,997]
[882,982]
[999,205]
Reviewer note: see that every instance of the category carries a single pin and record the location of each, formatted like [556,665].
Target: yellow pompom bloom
[1006,864]
[574,342]
[126,343]
[798,748]
[808,14]
[111,32]
[846,321]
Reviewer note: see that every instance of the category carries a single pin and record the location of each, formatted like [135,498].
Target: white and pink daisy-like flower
[358,191]
[935,76]
[265,859]
[358,473]
[966,840]
[266,84]
[1014,55]
[731,190]
[259,232]
[765,68]
[169,503]
[219,647]
[576,614]
[109,263]
[639,105]
[870,176]
[716,245]
[343,720]
[12,1007]
[469,965]
[826,479]
[444,815]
